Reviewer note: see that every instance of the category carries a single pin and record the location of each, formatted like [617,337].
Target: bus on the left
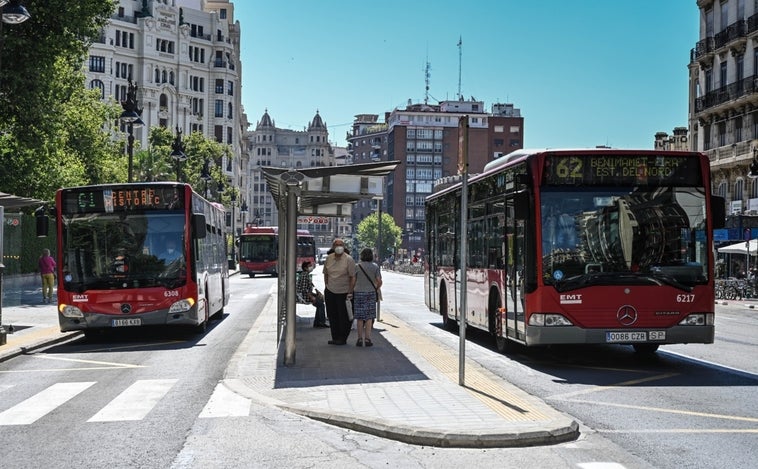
[139,254]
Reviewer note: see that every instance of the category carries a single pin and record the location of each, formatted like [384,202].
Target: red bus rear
[259,250]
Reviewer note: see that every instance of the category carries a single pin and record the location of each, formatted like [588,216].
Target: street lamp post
[243,212]
[177,153]
[131,118]
[233,260]
[14,13]
[205,175]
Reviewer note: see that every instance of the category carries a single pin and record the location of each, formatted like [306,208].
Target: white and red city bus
[259,250]
[139,254]
[596,246]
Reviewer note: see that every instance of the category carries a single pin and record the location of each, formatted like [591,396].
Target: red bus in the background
[259,250]
[139,254]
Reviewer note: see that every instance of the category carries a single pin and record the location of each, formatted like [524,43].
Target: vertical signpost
[463,127]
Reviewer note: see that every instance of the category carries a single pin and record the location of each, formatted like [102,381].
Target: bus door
[514,246]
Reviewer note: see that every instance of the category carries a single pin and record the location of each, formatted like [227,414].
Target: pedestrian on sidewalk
[366,294]
[339,278]
[46,265]
[310,294]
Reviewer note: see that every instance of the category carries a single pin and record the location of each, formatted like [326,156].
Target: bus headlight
[548,320]
[182,306]
[70,311]
[697,319]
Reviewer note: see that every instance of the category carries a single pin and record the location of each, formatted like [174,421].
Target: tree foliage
[53,132]
[368,234]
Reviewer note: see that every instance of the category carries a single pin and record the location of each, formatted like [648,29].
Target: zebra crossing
[133,404]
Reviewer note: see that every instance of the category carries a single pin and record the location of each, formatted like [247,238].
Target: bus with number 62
[586,246]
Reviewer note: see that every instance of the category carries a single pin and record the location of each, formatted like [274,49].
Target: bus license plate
[127,322]
[625,337]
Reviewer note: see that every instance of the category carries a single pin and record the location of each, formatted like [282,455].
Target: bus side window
[198,225]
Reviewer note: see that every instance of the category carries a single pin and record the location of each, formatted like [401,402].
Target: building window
[98,85]
[219,108]
[97,64]
[219,86]
[222,13]
[738,189]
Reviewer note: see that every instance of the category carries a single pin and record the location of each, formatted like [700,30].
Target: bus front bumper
[94,320]
[537,335]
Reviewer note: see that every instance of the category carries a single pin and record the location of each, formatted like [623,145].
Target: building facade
[424,138]
[285,148]
[723,98]
[186,65]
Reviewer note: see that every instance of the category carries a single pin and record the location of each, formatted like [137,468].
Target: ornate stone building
[723,98]
[272,146]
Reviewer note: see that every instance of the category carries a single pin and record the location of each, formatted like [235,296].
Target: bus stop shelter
[325,191]
[12,202]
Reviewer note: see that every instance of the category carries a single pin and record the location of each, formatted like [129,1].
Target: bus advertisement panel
[595,246]
[259,250]
[139,254]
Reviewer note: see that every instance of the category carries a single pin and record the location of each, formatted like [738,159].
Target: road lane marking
[39,405]
[105,365]
[225,403]
[691,413]
[632,382]
[135,402]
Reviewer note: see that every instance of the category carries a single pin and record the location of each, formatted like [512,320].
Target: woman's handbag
[377,290]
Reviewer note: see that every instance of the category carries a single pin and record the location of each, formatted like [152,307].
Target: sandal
[359,343]
[367,343]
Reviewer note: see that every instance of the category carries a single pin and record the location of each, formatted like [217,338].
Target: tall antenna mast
[460,58]
[427,74]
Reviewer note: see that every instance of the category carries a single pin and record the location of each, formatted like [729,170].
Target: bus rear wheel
[447,322]
[501,343]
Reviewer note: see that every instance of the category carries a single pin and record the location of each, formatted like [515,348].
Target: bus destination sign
[109,200]
[639,170]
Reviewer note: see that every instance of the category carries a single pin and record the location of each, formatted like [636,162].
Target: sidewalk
[403,388]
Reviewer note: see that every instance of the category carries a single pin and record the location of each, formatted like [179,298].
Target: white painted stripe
[225,403]
[39,405]
[135,402]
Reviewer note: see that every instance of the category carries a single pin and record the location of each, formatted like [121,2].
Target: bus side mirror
[718,212]
[521,205]
[198,226]
[42,221]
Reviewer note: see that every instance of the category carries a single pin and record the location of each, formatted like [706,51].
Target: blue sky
[583,73]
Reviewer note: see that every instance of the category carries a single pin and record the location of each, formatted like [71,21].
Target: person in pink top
[47,271]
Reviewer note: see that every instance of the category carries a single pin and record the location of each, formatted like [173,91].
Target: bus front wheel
[645,349]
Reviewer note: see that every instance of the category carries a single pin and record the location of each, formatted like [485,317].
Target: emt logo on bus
[571,299]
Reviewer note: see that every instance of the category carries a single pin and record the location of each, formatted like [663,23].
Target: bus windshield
[119,250]
[259,248]
[653,235]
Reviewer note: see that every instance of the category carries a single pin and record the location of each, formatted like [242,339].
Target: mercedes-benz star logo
[126,308]
[626,315]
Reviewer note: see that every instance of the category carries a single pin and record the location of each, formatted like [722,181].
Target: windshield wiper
[617,278]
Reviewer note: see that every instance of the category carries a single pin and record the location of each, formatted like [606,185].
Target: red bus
[597,246]
[139,254]
[259,250]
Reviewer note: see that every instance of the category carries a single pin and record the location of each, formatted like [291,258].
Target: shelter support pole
[291,269]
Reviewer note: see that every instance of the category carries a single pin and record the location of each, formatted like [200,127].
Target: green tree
[368,234]
[52,131]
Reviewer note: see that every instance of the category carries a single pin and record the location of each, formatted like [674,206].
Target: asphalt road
[690,406]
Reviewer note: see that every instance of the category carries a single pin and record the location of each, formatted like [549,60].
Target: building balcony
[734,32]
[730,92]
